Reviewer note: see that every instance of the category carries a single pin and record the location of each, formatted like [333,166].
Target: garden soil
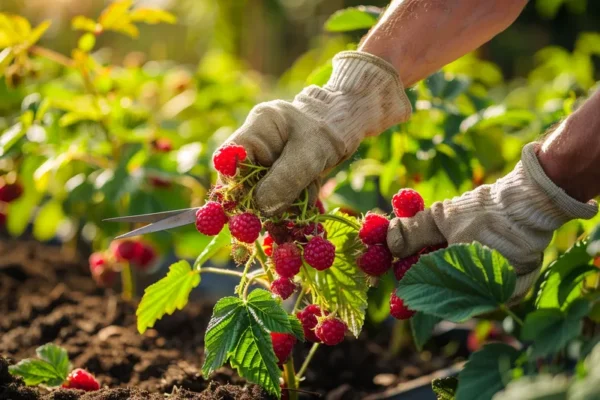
[47,295]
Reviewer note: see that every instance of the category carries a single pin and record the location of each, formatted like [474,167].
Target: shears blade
[159,221]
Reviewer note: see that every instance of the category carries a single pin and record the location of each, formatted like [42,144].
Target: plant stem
[298,301]
[290,378]
[249,263]
[52,56]
[262,259]
[305,205]
[307,360]
[350,223]
[511,314]
[251,279]
[127,282]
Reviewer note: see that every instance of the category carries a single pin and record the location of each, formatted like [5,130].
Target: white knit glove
[517,216]
[321,127]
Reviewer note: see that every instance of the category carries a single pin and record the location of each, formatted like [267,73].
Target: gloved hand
[517,216]
[321,127]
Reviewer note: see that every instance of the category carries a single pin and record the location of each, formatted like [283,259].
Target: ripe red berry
[103,275]
[10,192]
[283,343]
[331,331]
[407,203]
[162,145]
[287,260]
[403,265]
[320,206]
[301,234]
[398,309]
[374,229]
[268,245]
[319,253]
[308,319]
[210,218]
[375,261]
[226,158]
[283,287]
[82,380]
[124,250]
[144,256]
[245,227]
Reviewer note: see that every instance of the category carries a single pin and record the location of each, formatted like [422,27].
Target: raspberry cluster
[104,266]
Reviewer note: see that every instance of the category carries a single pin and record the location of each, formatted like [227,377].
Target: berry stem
[127,282]
[290,378]
[511,314]
[262,259]
[219,271]
[307,360]
[298,301]
[251,279]
[305,204]
[331,217]
[240,288]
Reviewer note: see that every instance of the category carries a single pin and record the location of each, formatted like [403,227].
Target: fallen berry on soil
[226,159]
[268,245]
[82,380]
[283,287]
[245,227]
[319,253]
[10,192]
[331,331]
[308,319]
[407,203]
[375,261]
[124,250]
[287,260]
[374,229]
[210,218]
[397,308]
[283,343]
[403,265]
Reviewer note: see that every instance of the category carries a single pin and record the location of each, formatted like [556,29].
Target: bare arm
[418,37]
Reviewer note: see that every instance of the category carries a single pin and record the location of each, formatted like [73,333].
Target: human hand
[321,127]
[517,215]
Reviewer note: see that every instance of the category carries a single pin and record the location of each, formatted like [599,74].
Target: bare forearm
[419,37]
[570,155]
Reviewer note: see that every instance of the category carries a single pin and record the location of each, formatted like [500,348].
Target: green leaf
[152,16]
[485,372]
[296,327]
[436,83]
[216,244]
[167,295]
[81,23]
[265,309]
[55,356]
[460,281]
[47,220]
[350,19]
[38,32]
[87,42]
[10,137]
[552,329]
[343,287]
[593,248]
[6,57]
[445,388]
[540,387]
[573,280]
[422,326]
[35,372]
[557,272]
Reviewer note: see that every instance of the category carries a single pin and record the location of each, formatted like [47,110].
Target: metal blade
[183,218]
[149,218]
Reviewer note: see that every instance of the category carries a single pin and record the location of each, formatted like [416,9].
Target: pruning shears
[157,222]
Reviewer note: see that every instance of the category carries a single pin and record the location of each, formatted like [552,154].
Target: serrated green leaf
[55,356]
[557,271]
[445,388]
[486,372]
[593,248]
[216,244]
[35,372]
[461,281]
[540,387]
[167,295]
[267,311]
[552,329]
[573,280]
[296,327]
[350,19]
[343,287]
[422,326]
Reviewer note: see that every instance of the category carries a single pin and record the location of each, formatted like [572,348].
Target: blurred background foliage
[84,148]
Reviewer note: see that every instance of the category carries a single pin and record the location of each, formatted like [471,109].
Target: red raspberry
[10,192]
[398,309]
[287,260]
[374,229]
[103,275]
[320,206]
[144,256]
[283,287]
[268,245]
[283,343]
[300,234]
[162,145]
[82,380]
[331,331]
[210,218]
[226,158]
[159,182]
[245,227]
[124,250]
[403,265]
[375,261]
[308,319]
[407,203]
[319,253]
[2,218]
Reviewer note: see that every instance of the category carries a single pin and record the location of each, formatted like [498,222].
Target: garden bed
[47,295]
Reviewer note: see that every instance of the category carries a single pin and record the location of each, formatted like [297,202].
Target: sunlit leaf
[47,221]
[218,242]
[81,23]
[152,16]
[350,19]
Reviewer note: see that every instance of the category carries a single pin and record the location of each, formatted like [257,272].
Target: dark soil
[47,295]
